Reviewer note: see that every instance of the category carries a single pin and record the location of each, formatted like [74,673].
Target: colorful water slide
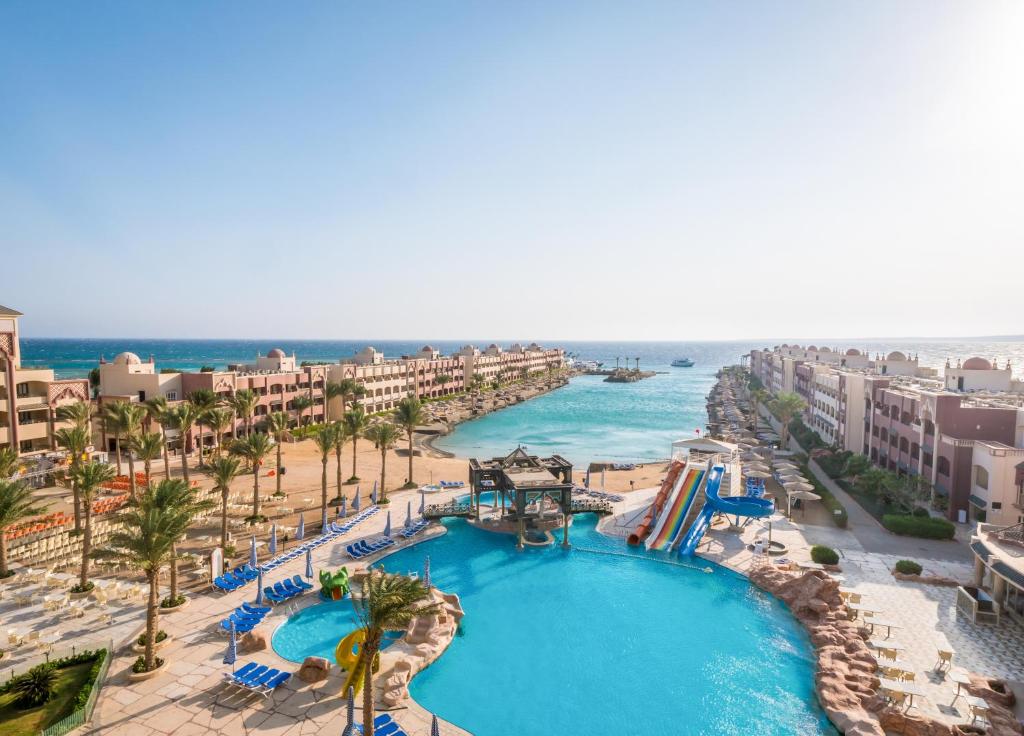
[644,527]
[713,503]
[347,656]
[672,518]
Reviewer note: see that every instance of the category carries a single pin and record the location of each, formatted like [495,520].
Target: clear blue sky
[580,170]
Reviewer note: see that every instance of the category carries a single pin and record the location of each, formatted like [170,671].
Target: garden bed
[75,681]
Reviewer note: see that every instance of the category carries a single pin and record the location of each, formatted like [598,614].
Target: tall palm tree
[356,422]
[16,503]
[145,542]
[183,501]
[333,390]
[338,429]
[277,426]
[218,419]
[785,407]
[389,603]
[244,402]
[253,449]
[349,390]
[89,478]
[8,460]
[300,404]
[114,421]
[203,400]
[442,380]
[74,439]
[78,413]
[383,435]
[409,414]
[181,418]
[156,410]
[148,446]
[759,397]
[224,470]
[324,440]
[126,418]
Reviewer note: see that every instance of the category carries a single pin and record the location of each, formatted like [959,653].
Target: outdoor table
[24,597]
[859,608]
[886,644]
[899,686]
[898,664]
[961,679]
[889,625]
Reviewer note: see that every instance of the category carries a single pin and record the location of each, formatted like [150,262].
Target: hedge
[824,555]
[908,567]
[919,526]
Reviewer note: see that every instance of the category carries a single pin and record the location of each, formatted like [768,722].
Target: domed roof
[853,351]
[127,358]
[276,353]
[977,364]
[811,348]
[896,355]
[492,345]
[785,345]
[427,349]
[825,349]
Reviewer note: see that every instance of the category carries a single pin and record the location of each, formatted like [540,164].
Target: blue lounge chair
[299,582]
[261,610]
[254,682]
[386,730]
[240,628]
[274,597]
[251,676]
[283,591]
[291,587]
[266,687]
[237,582]
[225,585]
[243,671]
[244,572]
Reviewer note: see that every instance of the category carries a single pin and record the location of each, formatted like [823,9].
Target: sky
[570,170]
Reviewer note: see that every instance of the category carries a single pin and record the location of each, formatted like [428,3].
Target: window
[22,390]
[997,505]
[943,466]
[981,477]
[172,395]
[142,396]
[25,446]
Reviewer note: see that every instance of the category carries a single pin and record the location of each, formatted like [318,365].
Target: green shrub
[160,636]
[919,526]
[834,464]
[140,664]
[35,687]
[169,603]
[908,567]
[824,555]
[921,512]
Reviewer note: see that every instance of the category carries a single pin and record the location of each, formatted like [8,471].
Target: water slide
[347,656]
[713,503]
[671,522]
[644,527]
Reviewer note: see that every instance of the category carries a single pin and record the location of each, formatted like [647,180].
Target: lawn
[16,722]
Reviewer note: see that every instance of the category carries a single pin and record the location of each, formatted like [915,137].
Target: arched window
[943,466]
[915,451]
[981,477]
[929,426]
[904,445]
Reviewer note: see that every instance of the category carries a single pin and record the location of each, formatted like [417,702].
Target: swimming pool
[315,631]
[604,640]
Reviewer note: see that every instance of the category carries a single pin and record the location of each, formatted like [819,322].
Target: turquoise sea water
[578,642]
[315,631]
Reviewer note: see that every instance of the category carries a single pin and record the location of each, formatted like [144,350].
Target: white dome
[127,358]
[276,353]
[977,364]
[896,355]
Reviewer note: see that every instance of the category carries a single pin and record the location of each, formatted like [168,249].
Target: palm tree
[148,447]
[785,407]
[243,402]
[74,439]
[300,404]
[125,418]
[253,449]
[203,400]
[349,390]
[146,542]
[218,419]
[333,390]
[759,397]
[156,410]
[324,440]
[384,435]
[181,418]
[224,470]
[389,603]
[409,415]
[8,459]
[277,425]
[78,413]
[176,497]
[89,478]
[355,421]
[442,379]
[16,503]
[338,428]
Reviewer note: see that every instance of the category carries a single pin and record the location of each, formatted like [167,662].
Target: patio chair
[284,592]
[263,610]
[273,596]
[945,659]
[14,639]
[244,671]
[299,582]
[267,687]
[291,587]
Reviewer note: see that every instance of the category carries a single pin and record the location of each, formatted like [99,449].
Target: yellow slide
[347,655]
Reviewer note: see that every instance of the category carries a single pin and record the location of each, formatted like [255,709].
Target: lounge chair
[267,687]
[255,682]
[283,591]
[299,582]
[274,597]
[244,572]
[224,585]
[249,677]
[386,730]
[242,672]
[291,587]
[250,608]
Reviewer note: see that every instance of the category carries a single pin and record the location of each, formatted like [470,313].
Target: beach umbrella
[252,552]
[435,730]
[350,714]
[801,495]
[785,466]
[755,465]
[797,486]
[373,493]
[408,514]
[757,474]
[343,508]
[232,653]
[323,521]
[423,501]
[273,539]
[793,479]
[586,479]
[387,525]
[259,587]
[426,571]
[355,502]
[309,563]
[301,531]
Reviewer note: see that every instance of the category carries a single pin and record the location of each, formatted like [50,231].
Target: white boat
[682,363]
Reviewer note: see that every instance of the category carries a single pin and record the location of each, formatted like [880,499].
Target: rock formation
[314,669]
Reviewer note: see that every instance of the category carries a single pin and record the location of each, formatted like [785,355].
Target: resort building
[999,566]
[963,433]
[29,397]
[426,374]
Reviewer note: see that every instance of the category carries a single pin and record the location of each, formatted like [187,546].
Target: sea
[589,420]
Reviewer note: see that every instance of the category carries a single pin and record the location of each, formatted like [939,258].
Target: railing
[83,714]
[9,673]
[436,511]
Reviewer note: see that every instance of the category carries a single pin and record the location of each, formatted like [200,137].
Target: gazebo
[529,482]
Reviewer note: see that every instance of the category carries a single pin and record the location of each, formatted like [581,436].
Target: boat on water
[682,363]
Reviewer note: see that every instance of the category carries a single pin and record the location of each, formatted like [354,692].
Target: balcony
[27,403]
[33,431]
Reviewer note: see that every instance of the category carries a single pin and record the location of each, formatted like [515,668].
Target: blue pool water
[586,642]
[315,631]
